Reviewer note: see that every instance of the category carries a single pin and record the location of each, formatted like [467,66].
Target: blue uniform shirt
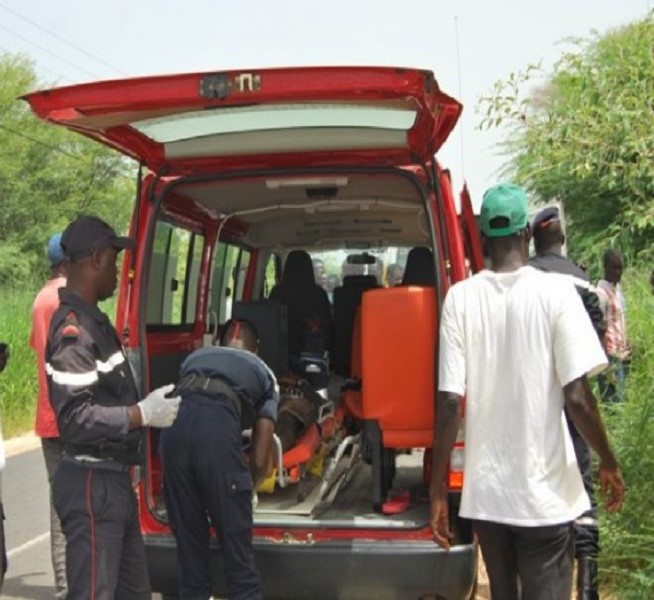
[245,373]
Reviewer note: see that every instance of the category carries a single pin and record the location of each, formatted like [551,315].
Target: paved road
[27,527]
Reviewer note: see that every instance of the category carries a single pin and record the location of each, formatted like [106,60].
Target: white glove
[255,499]
[157,410]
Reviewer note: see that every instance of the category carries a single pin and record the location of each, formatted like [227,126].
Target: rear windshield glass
[398,116]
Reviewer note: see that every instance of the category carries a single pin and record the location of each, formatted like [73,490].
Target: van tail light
[455,474]
[455,466]
[457,461]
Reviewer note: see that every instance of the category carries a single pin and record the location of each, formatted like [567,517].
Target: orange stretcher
[309,452]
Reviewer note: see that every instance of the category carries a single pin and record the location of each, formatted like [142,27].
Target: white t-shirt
[510,342]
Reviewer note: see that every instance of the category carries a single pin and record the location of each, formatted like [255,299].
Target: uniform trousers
[527,563]
[105,555]
[206,477]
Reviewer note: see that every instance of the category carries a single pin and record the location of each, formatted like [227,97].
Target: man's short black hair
[239,329]
[612,255]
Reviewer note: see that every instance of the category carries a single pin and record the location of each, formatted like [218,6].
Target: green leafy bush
[627,560]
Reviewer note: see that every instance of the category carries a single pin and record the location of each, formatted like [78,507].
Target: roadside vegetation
[47,177]
[583,135]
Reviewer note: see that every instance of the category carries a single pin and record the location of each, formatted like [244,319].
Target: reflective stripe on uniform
[118,358]
[65,378]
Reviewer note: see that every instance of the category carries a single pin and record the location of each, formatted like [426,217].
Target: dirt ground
[21,443]
[483,589]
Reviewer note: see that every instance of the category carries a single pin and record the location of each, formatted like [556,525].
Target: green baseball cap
[508,201]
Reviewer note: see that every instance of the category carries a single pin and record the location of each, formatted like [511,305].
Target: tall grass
[627,539]
[18,382]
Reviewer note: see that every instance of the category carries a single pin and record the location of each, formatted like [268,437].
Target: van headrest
[298,270]
[419,269]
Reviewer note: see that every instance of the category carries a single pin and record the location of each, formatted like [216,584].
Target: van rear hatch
[267,118]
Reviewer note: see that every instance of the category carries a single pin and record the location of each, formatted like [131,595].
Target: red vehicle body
[238,169]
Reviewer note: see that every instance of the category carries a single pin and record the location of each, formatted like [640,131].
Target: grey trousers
[52,449]
[527,563]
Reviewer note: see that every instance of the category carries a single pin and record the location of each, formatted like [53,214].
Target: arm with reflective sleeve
[73,379]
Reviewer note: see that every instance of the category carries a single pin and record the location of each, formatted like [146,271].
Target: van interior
[219,250]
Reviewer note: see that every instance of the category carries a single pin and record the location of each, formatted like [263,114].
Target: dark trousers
[528,563]
[52,452]
[586,526]
[105,556]
[205,474]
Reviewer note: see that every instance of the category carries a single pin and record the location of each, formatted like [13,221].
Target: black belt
[103,465]
[208,385]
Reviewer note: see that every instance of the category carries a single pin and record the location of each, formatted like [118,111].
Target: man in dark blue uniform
[99,417]
[225,390]
[548,241]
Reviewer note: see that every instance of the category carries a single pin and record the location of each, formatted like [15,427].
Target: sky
[468,44]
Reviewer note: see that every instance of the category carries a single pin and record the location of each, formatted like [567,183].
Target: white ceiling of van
[319,211]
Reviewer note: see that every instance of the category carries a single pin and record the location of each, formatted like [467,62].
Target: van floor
[298,504]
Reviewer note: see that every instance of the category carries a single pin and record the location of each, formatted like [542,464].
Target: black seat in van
[347,298]
[419,269]
[270,319]
[308,307]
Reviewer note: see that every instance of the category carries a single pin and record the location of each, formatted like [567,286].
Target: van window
[386,264]
[271,275]
[173,276]
[229,269]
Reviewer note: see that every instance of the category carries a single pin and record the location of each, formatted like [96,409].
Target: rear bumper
[338,569]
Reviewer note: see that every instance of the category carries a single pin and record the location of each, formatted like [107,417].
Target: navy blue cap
[545,217]
[88,233]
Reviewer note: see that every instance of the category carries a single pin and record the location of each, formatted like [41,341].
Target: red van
[238,169]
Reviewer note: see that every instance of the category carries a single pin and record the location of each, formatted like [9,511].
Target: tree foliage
[585,136]
[48,176]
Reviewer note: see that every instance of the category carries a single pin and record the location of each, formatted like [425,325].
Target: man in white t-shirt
[518,344]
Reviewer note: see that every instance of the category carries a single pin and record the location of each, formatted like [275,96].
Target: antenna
[460,93]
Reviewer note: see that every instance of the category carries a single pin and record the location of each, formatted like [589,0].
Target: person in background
[522,488]
[616,342]
[319,273]
[45,427]
[4,357]
[394,274]
[99,416]
[225,390]
[548,235]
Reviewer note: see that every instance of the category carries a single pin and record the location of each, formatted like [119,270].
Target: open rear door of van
[471,237]
[268,118]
